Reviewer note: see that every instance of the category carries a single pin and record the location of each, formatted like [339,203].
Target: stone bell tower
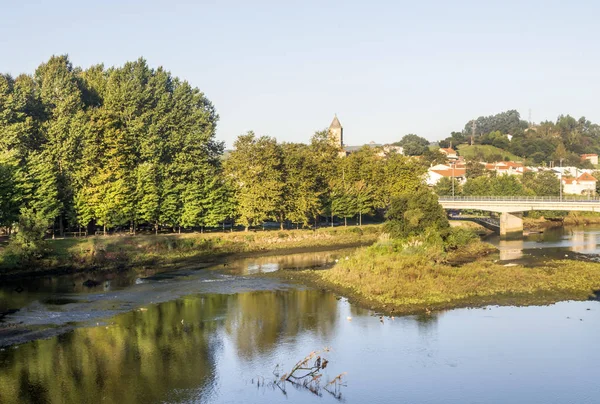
[336,133]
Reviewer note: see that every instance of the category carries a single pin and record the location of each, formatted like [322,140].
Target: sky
[284,68]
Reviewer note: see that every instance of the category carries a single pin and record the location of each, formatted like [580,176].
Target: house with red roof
[450,154]
[592,158]
[585,184]
[434,174]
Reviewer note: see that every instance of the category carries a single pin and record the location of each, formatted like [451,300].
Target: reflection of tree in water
[259,321]
[151,355]
[140,358]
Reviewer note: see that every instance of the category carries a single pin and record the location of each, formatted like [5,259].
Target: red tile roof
[447,150]
[458,172]
[588,155]
[586,177]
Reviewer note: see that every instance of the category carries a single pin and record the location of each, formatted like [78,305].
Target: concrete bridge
[511,208]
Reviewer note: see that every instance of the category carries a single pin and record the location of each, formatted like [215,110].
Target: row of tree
[134,146]
[300,183]
[543,183]
[108,147]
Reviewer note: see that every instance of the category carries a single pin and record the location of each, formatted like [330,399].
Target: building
[585,184]
[449,153]
[336,133]
[506,168]
[336,137]
[592,158]
[436,173]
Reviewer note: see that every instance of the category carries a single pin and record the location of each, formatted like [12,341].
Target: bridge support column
[511,225]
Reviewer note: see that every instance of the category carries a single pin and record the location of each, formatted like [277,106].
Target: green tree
[544,183]
[255,169]
[444,187]
[411,214]
[413,145]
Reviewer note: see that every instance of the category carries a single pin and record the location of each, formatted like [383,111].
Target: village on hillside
[574,180]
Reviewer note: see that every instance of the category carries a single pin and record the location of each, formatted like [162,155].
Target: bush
[411,214]
[455,237]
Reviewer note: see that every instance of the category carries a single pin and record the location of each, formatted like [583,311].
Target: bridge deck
[520,203]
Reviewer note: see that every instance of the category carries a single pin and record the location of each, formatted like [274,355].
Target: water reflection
[553,243]
[272,263]
[160,352]
[208,348]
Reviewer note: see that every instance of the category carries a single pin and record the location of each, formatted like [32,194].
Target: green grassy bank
[400,277]
[120,252]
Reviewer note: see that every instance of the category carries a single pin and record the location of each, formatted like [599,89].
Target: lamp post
[561,184]
[452,164]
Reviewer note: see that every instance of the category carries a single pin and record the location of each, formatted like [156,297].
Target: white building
[436,173]
[449,153]
[592,158]
[585,184]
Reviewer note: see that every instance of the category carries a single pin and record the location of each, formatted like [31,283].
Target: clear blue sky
[283,68]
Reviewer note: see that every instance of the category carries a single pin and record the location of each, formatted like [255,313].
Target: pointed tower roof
[335,124]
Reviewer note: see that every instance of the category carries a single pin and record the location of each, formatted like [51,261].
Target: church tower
[336,133]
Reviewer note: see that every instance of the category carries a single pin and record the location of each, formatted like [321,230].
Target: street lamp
[561,174]
[452,164]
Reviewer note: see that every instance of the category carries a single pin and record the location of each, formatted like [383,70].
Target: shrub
[411,214]
[456,237]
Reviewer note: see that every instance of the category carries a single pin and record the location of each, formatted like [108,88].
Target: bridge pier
[511,225]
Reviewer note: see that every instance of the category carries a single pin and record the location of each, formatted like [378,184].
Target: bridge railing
[571,198]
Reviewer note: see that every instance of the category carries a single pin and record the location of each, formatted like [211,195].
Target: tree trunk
[280,225]
[345,221]
[360,219]
[332,219]
[60,226]
[156,228]
[179,230]
[104,229]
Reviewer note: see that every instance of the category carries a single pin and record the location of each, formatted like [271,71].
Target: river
[208,335]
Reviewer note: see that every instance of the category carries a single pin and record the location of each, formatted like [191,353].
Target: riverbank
[174,251]
[540,223]
[404,281]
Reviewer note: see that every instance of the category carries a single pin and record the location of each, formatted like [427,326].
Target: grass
[409,279]
[119,252]
[581,218]
[488,151]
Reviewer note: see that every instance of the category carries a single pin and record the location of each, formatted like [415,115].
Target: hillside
[486,152]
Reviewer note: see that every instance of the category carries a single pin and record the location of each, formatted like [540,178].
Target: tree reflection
[164,353]
[261,320]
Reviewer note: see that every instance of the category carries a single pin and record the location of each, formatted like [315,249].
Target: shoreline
[207,252]
[311,278]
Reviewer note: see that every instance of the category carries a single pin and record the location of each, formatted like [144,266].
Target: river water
[209,335]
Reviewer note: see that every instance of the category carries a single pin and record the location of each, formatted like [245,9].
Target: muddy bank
[115,254]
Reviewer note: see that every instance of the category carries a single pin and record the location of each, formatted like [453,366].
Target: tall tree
[255,170]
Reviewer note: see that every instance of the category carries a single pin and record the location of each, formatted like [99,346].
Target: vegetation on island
[421,263]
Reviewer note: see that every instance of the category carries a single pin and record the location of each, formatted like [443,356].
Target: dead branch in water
[306,374]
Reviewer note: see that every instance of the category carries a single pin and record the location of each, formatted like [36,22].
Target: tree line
[548,142]
[132,146]
[301,183]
